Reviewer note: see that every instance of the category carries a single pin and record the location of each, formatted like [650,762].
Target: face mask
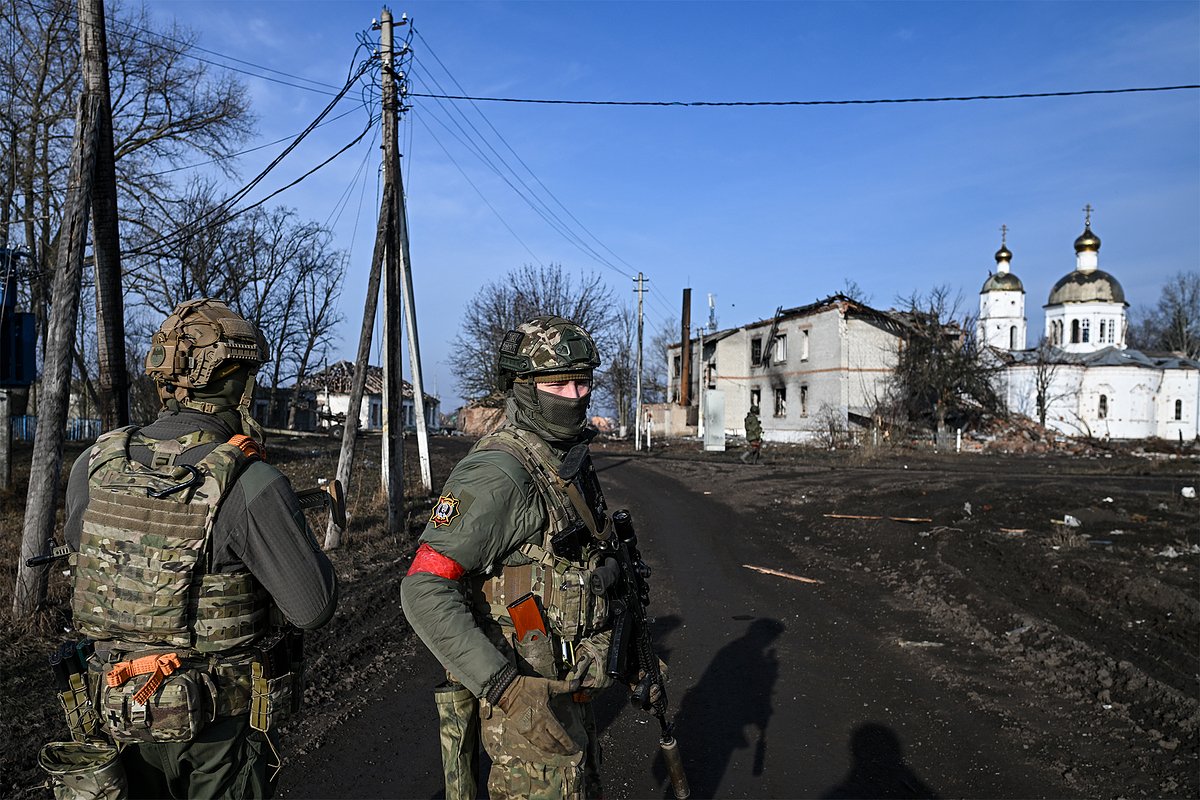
[554,418]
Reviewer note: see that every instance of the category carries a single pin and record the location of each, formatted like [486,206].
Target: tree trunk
[110,305]
[46,467]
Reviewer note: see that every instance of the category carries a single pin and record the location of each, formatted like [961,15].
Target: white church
[1081,372]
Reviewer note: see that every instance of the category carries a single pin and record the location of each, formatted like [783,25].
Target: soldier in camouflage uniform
[508,524]
[754,436]
[192,551]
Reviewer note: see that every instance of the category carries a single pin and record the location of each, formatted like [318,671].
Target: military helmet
[546,347]
[202,341]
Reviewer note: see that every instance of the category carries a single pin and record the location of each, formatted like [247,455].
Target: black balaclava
[558,420]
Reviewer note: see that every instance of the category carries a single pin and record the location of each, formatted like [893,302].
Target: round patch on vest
[445,511]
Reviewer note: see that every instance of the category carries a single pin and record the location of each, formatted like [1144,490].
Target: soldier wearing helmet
[498,589]
[197,658]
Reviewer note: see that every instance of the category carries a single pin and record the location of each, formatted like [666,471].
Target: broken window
[1103,409]
[804,401]
[779,350]
[804,345]
[756,397]
[781,402]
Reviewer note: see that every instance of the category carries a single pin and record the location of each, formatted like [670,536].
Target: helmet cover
[200,342]
[546,346]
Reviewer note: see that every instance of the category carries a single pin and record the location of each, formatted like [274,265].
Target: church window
[1112,331]
[1074,331]
[1178,410]
[1103,332]
[1102,411]
[1012,338]
[1085,330]
[781,402]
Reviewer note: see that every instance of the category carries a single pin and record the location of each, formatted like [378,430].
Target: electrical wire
[749,103]
[527,193]
[482,197]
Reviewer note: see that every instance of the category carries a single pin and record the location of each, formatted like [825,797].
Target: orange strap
[251,448]
[582,697]
[158,666]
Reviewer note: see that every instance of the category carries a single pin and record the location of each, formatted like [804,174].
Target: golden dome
[1003,254]
[1087,241]
[1086,287]
[1002,282]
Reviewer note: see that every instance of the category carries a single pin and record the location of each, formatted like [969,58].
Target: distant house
[805,368]
[330,390]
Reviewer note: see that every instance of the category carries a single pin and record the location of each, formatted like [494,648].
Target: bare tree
[617,384]
[502,304]
[1174,323]
[940,374]
[167,108]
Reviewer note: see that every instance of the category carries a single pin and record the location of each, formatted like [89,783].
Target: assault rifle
[622,578]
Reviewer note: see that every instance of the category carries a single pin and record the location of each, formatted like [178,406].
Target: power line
[747,103]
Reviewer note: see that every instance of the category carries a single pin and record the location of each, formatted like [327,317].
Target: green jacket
[754,431]
[490,507]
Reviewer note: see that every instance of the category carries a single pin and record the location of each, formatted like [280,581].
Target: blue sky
[760,206]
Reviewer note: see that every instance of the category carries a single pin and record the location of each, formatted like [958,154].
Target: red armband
[431,561]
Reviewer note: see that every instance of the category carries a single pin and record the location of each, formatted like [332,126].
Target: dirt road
[948,658]
[1035,632]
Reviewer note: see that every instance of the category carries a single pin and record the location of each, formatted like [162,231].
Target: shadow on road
[733,693]
[878,768]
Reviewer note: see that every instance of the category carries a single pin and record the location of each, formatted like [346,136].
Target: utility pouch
[270,698]
[80,771]
[458,724]
[531,640]
[569,544]
[176,711]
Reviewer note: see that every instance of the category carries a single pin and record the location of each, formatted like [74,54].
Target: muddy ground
[1084,640]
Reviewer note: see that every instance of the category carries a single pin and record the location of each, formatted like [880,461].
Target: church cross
[1087,221]
[1003,234]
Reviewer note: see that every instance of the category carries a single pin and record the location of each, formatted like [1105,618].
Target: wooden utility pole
[333,533]
[392,463]
[685,350]
[410,311]
[106,245]
[46,467]
[637,424]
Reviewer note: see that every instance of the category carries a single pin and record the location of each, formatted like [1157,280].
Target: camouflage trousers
[521,771]
[518,769]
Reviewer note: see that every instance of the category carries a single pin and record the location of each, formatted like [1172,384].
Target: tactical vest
[573,612]
[143,574]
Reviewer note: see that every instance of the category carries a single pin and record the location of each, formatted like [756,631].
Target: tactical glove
[656,689]
[526,702]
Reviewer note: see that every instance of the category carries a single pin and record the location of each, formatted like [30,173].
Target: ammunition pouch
[276,681]
[77,705]
[84,771]
[68,667]
[458,723]
[535,654]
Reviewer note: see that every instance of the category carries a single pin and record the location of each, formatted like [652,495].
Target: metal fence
[24,428]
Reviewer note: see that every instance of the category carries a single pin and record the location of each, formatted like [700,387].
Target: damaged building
[807,369]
